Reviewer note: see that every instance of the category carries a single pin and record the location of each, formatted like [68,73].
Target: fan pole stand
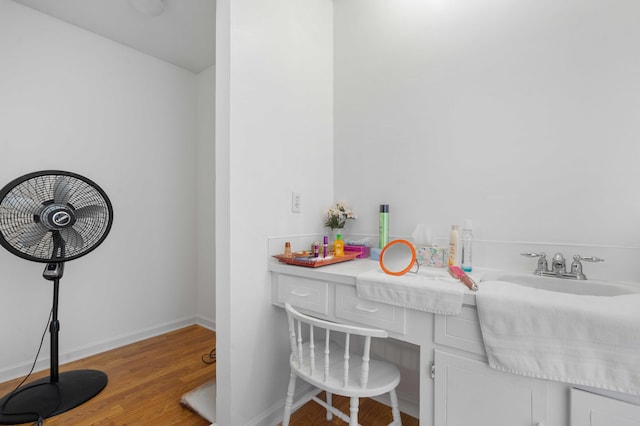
[59,392]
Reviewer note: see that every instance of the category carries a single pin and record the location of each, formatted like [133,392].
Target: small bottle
[338,246]
[383,229]
[467,242]
[325,246]
[287,250]
[453,245]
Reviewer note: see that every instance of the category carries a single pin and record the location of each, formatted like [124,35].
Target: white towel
[434,292]
[586,340]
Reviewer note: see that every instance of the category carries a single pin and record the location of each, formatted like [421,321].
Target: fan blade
[23,205]
[72,237]
[89,211]
[61,190]
[33,234]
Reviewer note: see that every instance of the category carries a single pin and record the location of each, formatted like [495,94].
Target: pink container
[363,251]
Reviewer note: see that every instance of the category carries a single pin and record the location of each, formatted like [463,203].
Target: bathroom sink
[564,285]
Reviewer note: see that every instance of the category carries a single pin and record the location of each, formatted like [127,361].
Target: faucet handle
[542,262]
[541,254]
[576,266]
[591,259]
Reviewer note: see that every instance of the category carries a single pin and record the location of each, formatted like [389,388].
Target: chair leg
[395,411]
[289,402]
[354,411]
[329,413]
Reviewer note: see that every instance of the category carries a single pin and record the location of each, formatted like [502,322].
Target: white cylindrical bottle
[453,245]
[467,243]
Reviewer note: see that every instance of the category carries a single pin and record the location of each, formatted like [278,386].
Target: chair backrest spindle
[327,353]
[292,339]
[300,354]
[345,368]
[364,372]
[312,353]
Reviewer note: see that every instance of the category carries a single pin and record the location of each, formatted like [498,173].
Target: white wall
[519,115]
[205,199]
[274,88]
[75,101]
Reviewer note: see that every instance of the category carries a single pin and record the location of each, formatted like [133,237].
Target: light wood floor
[371,413]
[148,378]
[146,381]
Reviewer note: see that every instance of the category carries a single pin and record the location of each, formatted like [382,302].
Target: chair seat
[383,376]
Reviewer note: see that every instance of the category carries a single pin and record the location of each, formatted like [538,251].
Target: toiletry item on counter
[358,242]
[422,235]
[467,242]
[316,249]
[432,256]
[383,228]
[287,250]
[338,246]
[375,253]
[363,251]
[325,246]
[459,274]
[453,245]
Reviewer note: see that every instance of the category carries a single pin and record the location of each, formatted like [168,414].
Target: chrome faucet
[559,265]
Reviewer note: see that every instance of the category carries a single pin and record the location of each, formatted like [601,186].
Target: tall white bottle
[453,245]
[467,243]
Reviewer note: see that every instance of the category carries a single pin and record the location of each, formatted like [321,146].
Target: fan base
[46,399]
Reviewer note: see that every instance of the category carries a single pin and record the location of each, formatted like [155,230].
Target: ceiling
[184,34]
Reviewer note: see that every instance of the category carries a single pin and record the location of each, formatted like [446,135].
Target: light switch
[296,202]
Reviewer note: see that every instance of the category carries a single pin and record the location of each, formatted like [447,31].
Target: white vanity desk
[456,385]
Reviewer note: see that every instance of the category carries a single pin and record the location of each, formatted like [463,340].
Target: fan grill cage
[20,199]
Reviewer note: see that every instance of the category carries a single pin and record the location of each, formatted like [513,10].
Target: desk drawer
[304,293]
[373,314]
[460,331]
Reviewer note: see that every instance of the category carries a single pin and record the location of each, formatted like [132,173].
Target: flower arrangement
[337,216]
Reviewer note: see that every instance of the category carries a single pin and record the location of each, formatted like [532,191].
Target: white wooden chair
[326,365]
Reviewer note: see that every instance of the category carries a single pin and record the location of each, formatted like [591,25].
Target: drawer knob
[365,309]
[298,294]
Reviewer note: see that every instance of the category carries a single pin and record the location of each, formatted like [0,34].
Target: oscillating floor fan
[52,217]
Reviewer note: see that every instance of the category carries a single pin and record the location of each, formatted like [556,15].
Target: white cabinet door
[470,393]
[588,409]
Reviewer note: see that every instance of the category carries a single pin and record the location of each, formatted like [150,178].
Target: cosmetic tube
[457,273]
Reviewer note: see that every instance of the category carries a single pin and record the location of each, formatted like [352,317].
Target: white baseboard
[205,322]
[273,415]
[94,348]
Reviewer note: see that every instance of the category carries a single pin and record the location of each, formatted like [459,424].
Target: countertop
[345,273]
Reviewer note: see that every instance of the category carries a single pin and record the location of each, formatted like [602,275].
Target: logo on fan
[56,217]
[61,218]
